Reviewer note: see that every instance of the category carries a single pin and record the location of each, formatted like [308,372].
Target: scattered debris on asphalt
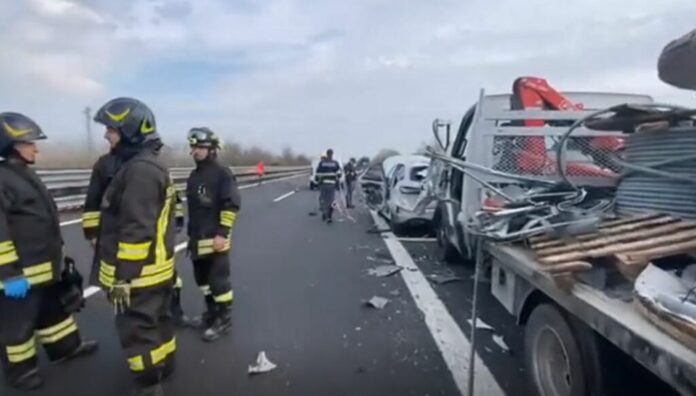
[377,302]
[395,292]
[444,279]
[498,339]
[379,260]
[375,230]
[358,328]
[313,213]
[481,325]
[263,365]
[385,270]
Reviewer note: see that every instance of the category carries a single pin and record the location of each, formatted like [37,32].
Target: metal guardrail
[68,187]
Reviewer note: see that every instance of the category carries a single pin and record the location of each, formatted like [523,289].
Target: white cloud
[353,75]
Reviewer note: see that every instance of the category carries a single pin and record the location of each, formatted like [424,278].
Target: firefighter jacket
[213,203]
[30,239]
[103,171]
[137,231]
[328,172]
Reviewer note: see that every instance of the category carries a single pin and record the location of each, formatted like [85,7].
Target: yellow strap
[135,363]
[227,218]
[163,351]
[56,328]
[36,274]
[151,275]
[179,283]
[91,215]
[90,223]
[8,258]
[133,251]
[224,298]
[205,289]
[21,352]
[60,335]
[7,246]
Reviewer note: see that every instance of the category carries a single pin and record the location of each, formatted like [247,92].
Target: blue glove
[17,288]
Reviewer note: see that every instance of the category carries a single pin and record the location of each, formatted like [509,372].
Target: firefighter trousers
[146,332]
[39,317]
[212,273]
[327,195]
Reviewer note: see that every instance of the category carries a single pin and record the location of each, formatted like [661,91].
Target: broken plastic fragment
[501,343]
[481,325]
[263,365]
[385,270]
[377,302]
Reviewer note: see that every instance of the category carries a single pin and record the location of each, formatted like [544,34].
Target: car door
[373,183]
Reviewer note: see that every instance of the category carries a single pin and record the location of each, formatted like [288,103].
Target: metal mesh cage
[587,159]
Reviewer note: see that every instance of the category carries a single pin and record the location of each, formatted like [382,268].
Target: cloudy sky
[354,75]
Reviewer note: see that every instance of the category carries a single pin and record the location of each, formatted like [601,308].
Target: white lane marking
[69,222]
[282,197]
[450,339]
[92,290]
[76,221]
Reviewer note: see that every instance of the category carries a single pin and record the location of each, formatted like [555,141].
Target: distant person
[351,177]
[103,172]
[31,255]
[327,177]
[137,234]
[213,203]
[260,171]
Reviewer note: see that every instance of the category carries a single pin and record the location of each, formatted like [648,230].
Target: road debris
[385,270]
[313,213]
[406,239]
[498,339]
[377,302]
[395,293]
[263,365]
[444,279]
[379,260]
[481,325]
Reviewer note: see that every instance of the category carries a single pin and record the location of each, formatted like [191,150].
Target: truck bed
[618,321]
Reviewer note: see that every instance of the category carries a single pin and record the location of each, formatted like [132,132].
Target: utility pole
[88,119]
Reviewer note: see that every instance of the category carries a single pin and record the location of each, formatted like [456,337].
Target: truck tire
[447,252]
[561,354]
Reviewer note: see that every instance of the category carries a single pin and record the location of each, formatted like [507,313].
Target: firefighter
[327,177]
[351,177]
[31,251]
[213,203]
[103,171]
[137,234]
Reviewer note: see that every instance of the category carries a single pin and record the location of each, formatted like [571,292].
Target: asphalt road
[300,287]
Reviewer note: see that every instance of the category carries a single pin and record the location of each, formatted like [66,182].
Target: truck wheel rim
[551,364]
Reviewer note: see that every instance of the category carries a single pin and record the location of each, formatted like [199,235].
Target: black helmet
[15,127]
[131,118]
[203,137]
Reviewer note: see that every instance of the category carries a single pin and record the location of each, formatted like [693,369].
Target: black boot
[221,325]
[86,348]
[28,381]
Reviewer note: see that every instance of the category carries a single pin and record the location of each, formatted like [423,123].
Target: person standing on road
[351,177]
[136,240]
[103,172]
[213,203]
[328,175]
[31,251]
